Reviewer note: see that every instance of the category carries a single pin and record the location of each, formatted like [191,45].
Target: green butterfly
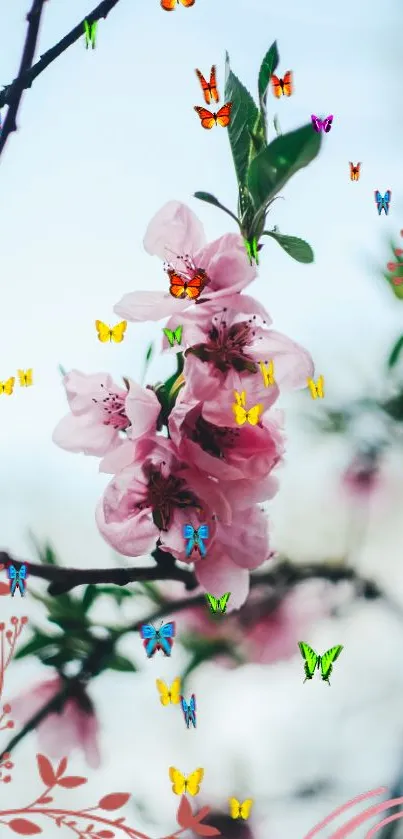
[218,604]
[90,31]
[173,336]
[322,662]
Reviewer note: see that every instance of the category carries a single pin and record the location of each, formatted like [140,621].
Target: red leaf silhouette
[45,799]
[61,768]
[4,588]
[46,772]
[205,830]
[197,817]
[184,816]
[71,781]
[106,834]
[114,801]
[24,827]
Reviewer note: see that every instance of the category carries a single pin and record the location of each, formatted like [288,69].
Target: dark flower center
[113,410]
[164,495]
[212,438]
[226,346]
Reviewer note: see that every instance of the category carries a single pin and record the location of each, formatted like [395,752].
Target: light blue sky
[105,138]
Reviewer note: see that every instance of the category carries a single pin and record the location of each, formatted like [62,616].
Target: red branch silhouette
[91,820]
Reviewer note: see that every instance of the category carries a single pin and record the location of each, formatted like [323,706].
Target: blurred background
[105,138]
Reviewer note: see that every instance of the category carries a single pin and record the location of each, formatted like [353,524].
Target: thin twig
[25,78]
[13,102]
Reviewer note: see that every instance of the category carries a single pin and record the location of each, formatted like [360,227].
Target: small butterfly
[355,171]
[252,249]
[25,377]
[189,711]
[169,5]
[282,87]
[238,810]
[317,389]
[195,538]
[180,287]
[321,662]
[169,694]
[158,639]
[210,91]
[173,336]
[182,784]
[90,31]
[383,203]
[218,604]
[7,387]
[241,415]
[111,333]
[267,373]
[17,577]
[222,117]
[320,124]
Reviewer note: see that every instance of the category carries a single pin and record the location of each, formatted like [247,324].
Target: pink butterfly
[320,124]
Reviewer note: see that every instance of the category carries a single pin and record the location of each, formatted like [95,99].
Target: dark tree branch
[28,74]
[34,19]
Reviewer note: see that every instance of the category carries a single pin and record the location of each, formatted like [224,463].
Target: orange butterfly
[169,5]
[222,117]
[282,87]
[355,171]
[181,287]
[209,90]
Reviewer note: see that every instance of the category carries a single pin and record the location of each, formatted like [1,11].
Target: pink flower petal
[218,574]
[174,230]
[140,306]
[143,410]
[135,536]
[82,434]
[226,264]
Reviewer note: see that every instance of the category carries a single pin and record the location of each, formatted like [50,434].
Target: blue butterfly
[158,639]
[189,711]
[383,203]
[195,538]
[17,577]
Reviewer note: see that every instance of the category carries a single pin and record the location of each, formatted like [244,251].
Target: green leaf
[395,352]
[62,371]
[38,642]
[279,161]
[90,594]
[267,68]
[394,407]
[149,352]
[210,199]
[297,248]
[117,592]
[119,662]
[45,553]
[244,116]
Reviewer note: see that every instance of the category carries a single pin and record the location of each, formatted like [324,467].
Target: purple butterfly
[320,124]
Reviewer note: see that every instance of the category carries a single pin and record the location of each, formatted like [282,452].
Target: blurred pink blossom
[75,727]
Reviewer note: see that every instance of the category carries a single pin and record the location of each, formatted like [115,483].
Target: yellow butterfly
[25,377]
[241,414]
[181,783]
[317,389]
[169,694]
[238,810]
[267,373]
[7,387]
[111,333]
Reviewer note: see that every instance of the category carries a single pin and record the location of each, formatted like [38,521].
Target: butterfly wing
[170,335]
[310,657]
[194,780]
[222,603]
[327,660]
[320,387]
[245,808]
[118,332]
[239,413]
[267,373]
[205,87]
[188,3]
[178,780]
[253,415]
[165,635]
[207,118]
[386,200]
[213,602]
[223,116]
[175,691]
[23,572]
[11,572]
[195,286]
[163,691]
[185,709]
[178,334]
[192,710]
[202,533]
[353,174]
[288,83]
[327,123]
[240,398]
[213,85]
[25,377]
[150,638]
[189,533]
[277,88]
[234,808]
[317,123]
[168,5]
[177,285]
[312,387]
[104,331]
[8,386]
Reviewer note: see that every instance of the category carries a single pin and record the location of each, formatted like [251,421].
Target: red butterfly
[222,117]
[181,287]
[209,89]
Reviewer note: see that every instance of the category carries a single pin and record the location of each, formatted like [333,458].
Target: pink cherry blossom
[75,727]
[174,233]
[154,497]
[227,453]
[101,411]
